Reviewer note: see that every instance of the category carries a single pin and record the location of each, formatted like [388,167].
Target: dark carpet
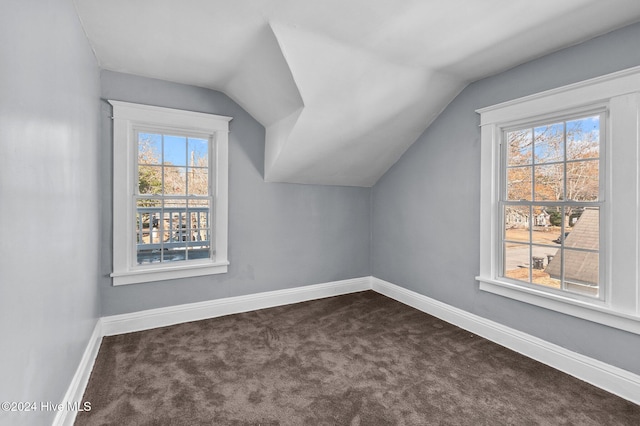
[358,359]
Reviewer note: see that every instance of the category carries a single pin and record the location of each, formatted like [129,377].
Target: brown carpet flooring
[359,359]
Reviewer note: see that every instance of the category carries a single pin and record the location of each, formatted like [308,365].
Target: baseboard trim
[161,317]
[75,392]
[612,379]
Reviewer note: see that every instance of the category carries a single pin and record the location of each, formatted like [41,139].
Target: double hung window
[551,201]
[174,198]
[560,200]
[170,193]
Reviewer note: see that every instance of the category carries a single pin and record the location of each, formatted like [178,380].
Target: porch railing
[172,233]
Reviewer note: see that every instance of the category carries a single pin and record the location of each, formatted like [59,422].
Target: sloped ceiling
[343,87]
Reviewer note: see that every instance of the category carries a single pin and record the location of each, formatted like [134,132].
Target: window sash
[531,203]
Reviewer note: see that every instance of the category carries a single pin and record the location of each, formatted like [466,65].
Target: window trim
[127,118]
[620,93]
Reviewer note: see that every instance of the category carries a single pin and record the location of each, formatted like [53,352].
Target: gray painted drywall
[280,235]
[425,221]
[49,202]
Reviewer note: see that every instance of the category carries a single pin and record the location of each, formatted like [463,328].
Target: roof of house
[580,266]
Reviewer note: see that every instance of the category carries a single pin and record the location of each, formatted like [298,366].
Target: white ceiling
[343,87]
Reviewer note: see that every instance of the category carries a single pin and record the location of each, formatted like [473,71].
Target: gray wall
[280,235]
[49,202]
[425,219]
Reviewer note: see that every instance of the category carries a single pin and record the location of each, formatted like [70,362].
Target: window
[170,193]
[551,198]
[559,200]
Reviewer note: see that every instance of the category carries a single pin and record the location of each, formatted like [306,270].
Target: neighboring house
[543,219]
[516,218]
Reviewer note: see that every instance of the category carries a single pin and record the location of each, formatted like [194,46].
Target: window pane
[519,183]
[198,171]
[148,213]
[176,230]
[149,148]
[519,152]
[549,143]
[198,181]
[199,246]
[516,223]
[175,150]
[549,182]
[544,231]
[199,223]
[583,180]
[583,138]
[516,261]
[581,272]
[198,152]
[583,229]
[175,180]
[540,260]
[149,179]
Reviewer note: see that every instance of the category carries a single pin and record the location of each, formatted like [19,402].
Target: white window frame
[619,94]
[127,118]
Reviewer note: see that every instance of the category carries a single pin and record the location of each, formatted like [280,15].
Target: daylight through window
[173,203]
[551,204]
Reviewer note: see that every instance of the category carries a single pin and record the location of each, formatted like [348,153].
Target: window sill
[168,273]
[601,314]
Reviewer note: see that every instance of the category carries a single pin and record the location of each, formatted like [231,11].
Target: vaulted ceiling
[342,87]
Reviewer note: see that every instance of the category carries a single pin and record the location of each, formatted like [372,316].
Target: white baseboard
[612,379]
[75,392]
[161,317]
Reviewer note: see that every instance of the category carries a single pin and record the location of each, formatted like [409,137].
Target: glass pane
[519,152]
[175,150]
[519,183]
[176,230]
[175,216]
[198,181]
[200,233]
[583,180]
[199,211]
[198,152]
[584,228]
[544,231]
[516,261]
[516,223]
[549,143]
[549,182]
[149,148]
[581,273]
[541,258]
[175,180]
[149,179]
[148,213]
[198,172]
[583,138]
